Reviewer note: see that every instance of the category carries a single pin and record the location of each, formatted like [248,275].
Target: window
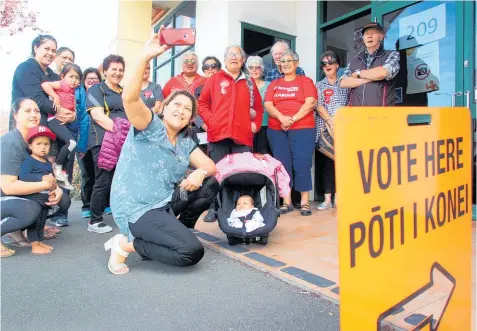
[168,64]
[335,9]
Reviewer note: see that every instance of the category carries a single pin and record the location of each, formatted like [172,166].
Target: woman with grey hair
[290,101]
[255,68]
[232,110]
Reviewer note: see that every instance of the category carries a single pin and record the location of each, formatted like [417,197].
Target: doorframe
[270,32]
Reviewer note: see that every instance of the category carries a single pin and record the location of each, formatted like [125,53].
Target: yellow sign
[404,221]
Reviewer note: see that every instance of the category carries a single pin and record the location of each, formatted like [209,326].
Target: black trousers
[86,166]
[101,188]
[218,150]
[260,142]
[159,236]
[18,214]
[329,176]
[66,137]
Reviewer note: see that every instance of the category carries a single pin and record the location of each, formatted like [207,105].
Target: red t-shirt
[288,97]
[179,83]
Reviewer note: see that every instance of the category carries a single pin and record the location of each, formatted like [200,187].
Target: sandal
[50,233]
[52,229]
[305,210]
[286,208]
[113,244]
[17,243]
[7,252]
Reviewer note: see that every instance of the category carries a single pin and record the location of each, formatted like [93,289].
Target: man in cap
[370,75]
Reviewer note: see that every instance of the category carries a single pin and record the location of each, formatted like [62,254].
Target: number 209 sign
[404,222]
[423,27]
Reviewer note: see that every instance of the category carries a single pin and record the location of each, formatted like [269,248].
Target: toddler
[246,215]
[63,94]
[36,168]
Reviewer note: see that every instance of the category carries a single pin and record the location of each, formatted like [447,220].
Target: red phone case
[177,37]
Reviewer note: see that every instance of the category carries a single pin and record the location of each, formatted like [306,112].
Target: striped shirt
[331,97]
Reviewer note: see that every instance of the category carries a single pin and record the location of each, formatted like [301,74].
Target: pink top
[247,162]
[67,97]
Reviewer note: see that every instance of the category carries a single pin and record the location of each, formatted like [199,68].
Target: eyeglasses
[287,61]
[189,61]
[92,79]
[212,66]
[325,63]
[250,68]
[234,55]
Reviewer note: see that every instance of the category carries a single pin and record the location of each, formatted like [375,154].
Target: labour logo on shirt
[328,93]
[148,94]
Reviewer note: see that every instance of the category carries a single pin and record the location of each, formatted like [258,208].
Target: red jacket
[224,105]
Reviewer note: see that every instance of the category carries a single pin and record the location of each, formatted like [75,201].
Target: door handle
[475,94]
[455,94]
[467,98]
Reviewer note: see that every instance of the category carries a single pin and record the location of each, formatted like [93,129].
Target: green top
[262,91]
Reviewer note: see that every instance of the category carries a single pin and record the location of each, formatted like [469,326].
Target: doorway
[257,40]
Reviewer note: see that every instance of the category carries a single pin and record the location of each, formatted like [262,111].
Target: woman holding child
[17,212]
[151,183]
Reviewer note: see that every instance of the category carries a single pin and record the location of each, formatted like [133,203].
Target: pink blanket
[257,163]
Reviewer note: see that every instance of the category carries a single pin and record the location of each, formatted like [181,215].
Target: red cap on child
[39,131]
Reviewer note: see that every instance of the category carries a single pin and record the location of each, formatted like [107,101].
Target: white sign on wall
[422,28]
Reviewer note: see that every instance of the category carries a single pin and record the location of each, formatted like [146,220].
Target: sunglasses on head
[324,63]
[209,66]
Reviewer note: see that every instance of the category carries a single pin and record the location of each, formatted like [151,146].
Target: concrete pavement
[71,289]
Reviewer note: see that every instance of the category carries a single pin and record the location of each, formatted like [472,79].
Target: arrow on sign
[427,303]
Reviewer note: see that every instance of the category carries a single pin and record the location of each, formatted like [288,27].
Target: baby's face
[40,146]
[244,203]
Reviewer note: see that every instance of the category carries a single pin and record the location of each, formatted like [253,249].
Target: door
[437,43]
[429,37]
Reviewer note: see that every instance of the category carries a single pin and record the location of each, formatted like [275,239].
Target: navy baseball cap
[372,25]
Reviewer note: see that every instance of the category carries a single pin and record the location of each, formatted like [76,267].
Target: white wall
[306,23]
[275,15]
[219,25]
[212,28]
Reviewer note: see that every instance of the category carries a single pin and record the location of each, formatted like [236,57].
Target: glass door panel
[428,36]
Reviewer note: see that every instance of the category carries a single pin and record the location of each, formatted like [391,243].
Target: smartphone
[177,37]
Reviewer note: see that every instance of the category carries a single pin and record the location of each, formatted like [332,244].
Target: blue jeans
[294,149]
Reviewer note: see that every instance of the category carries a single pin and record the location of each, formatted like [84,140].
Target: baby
[36,168]
[246,215]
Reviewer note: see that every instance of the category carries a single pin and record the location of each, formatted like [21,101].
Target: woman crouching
[151,186]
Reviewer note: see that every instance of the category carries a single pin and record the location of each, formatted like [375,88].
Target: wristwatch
[358,73]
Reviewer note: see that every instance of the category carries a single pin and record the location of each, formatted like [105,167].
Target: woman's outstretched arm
[137,112]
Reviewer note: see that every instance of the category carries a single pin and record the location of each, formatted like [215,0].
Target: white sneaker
[58,172]
[66,184]
[99,227]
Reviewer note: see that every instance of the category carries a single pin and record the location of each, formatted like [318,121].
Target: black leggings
[329,176]
[66,137]
[159,236]
[18,214]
